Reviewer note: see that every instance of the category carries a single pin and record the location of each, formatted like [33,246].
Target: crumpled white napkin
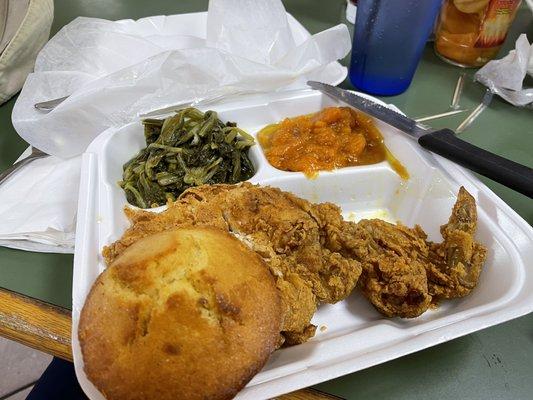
[505,76]
[39,203]
[116,71]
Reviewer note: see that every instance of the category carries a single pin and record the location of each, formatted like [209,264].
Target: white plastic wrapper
[255,30]
[116,71]
[505,77]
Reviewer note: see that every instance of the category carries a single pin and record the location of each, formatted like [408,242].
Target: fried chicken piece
[455,264]
[396,286]
[292,235]
[403,273]
[394,278]
[317,257]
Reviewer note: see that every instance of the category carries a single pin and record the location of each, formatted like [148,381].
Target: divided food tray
[352,335]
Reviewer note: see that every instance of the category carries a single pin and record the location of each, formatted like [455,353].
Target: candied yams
[335,137]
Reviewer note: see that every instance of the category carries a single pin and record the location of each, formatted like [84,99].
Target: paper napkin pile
[506,76]
[114,72]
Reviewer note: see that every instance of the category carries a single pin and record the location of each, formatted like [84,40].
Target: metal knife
[443,142]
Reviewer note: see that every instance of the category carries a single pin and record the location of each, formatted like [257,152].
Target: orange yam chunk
[335,137]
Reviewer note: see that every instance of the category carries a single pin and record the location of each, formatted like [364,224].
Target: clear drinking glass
[388,41]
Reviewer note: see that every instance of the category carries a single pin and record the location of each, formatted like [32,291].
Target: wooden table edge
[47,328]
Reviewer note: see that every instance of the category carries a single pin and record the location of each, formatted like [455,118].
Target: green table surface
[496,363]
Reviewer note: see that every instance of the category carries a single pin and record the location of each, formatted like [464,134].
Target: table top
[494,363]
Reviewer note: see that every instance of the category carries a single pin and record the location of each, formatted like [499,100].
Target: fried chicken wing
[289,233]
[403,273]
[396,286]
[393,279]
[455,264]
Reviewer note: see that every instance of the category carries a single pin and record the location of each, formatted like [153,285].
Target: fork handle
[19,164]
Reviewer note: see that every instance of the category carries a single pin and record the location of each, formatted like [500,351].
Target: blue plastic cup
[388,41]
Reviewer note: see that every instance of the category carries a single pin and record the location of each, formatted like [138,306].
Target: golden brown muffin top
[189,314]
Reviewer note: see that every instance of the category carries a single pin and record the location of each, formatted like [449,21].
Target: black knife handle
[513,175]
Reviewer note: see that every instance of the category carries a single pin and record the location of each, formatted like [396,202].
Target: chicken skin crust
[318,257]
[404,273]
[289,233]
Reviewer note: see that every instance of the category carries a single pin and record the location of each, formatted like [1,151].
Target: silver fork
[35,154]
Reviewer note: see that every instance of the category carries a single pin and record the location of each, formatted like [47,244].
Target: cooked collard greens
[190,148]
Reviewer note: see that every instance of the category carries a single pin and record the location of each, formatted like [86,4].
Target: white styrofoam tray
[356,335]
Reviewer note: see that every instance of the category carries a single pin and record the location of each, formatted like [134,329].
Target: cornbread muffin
[185,314]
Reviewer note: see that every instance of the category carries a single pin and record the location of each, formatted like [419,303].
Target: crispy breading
[404,273]
[317,257]
[289,233]
[456,263]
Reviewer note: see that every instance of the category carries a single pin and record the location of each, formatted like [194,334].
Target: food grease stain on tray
[382,214]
